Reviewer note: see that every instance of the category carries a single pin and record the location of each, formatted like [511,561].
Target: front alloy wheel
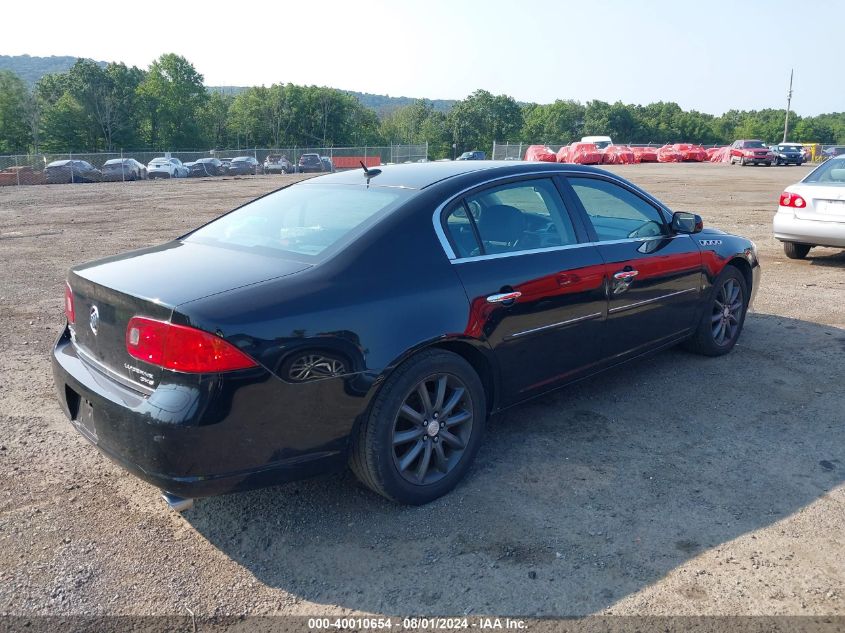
[431,429]
[727,312]
[724,315]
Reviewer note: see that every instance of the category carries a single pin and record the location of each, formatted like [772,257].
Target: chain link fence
[31,169]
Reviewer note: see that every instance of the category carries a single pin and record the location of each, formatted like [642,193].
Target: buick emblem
[94,319]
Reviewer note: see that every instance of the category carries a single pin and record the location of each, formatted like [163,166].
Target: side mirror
[683,222]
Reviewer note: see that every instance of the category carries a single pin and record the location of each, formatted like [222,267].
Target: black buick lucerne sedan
[376,318]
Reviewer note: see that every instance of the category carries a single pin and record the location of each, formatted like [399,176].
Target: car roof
[422,175]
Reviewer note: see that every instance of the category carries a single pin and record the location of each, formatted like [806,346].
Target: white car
[812,212]
[602,142]
[166,168]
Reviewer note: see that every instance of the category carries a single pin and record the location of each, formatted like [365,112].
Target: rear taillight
[182,348]
[69,311]
[792,200]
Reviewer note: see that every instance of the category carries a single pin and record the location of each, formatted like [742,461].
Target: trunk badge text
[94,319]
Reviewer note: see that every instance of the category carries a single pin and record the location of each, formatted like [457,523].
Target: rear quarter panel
[389,293]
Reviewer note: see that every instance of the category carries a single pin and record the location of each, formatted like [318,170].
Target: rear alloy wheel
[796,251]
[423,430]
[724,316]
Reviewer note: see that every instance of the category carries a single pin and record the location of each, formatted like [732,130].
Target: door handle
[623,275]
[565,279]
[504,297]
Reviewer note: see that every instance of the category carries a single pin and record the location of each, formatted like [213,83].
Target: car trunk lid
[152,282]
[825,203]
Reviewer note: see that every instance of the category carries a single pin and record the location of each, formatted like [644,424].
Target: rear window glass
[829,172]
[302,219]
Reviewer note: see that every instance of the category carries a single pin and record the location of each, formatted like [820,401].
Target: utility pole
[788,103]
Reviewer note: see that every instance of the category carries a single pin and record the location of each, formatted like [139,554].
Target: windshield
[831,172]
[301,219]
[754,145]
[601,144]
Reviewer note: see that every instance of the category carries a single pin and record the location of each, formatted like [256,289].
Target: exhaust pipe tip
[177,503]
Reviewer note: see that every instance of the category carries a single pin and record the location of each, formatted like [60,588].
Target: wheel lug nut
[442,424]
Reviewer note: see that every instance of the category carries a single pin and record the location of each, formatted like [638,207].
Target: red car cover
[719,154]
[645,154]
[668,154]
[563,154]
[540,152]
[584,154]
[694,153]
[618,155]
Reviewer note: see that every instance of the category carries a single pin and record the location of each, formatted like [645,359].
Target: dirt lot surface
[675,485]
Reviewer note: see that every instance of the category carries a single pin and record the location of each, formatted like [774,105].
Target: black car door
[654,276]
[535,286]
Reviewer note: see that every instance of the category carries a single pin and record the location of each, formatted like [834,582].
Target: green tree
[15,134]
[482,118]
[171,97]
[418,123]
[560,122]
[65,126]
[109,96]
[215,120]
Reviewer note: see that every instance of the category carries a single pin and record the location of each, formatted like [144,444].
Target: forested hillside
[92,106]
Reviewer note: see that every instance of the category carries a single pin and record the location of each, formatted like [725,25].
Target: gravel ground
[676,485]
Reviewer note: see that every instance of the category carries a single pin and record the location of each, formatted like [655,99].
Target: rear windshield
[830,172]
[302,219]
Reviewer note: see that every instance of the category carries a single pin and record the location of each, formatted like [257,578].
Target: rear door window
[515,217]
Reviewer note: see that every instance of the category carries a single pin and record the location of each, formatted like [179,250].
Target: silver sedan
[812,211]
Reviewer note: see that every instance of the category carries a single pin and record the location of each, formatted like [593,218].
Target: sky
[709,56]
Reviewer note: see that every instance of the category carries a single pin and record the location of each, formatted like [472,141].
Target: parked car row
[123,169]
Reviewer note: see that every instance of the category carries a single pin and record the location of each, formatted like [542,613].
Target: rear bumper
[788,228]
[221,434]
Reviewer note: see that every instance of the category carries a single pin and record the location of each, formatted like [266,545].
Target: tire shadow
[577,499]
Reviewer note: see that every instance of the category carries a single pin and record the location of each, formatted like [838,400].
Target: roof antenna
[369,173]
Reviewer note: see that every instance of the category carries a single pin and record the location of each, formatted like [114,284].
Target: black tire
[769,164]
[715,337]
[793,250]
[374,457]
